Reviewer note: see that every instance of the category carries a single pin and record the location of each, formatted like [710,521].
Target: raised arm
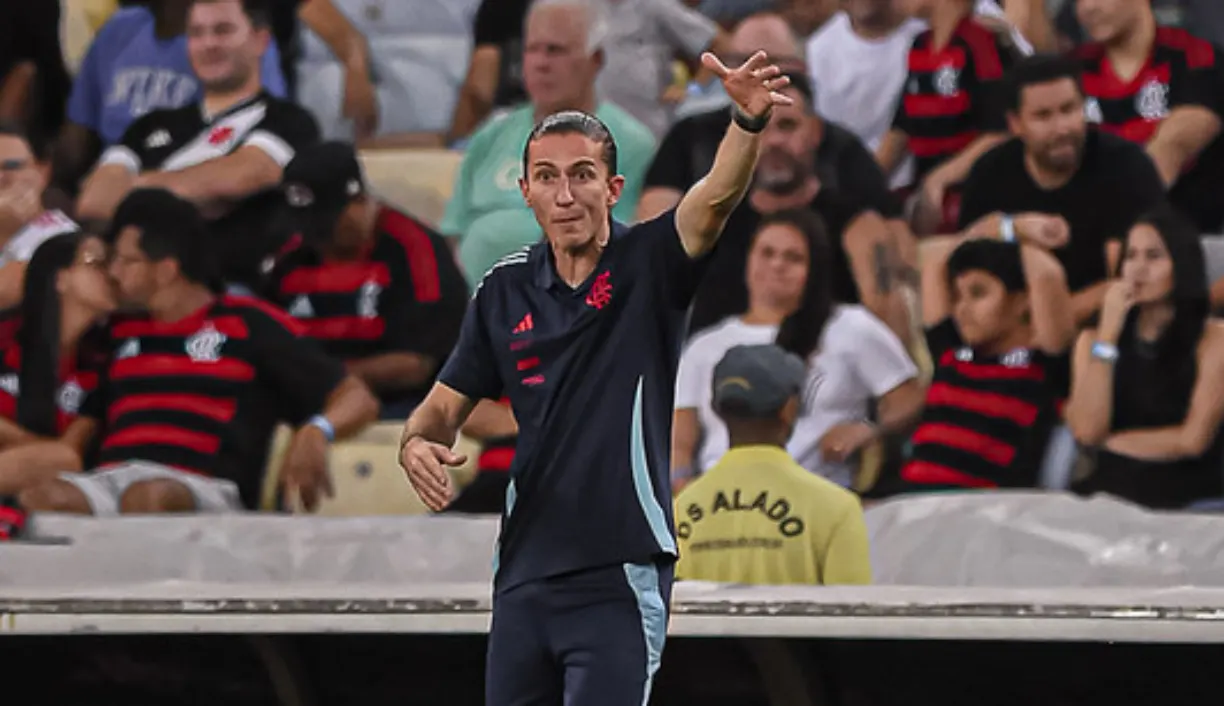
[753,88]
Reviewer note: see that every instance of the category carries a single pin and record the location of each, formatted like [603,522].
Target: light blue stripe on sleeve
[511,494]
[642,480]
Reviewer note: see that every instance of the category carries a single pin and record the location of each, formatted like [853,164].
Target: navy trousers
[589,638]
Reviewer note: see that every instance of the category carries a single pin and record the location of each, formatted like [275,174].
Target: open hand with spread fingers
[754,86]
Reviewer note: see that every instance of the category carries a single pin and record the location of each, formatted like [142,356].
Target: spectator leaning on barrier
[1057,175]
[757,516]
[374,286]
[950,110]
[54,361]
[187,404]
[138,63]
[1148,383]
[224,154]
[24,223]
[999,325]
[1163,88]
[563,54]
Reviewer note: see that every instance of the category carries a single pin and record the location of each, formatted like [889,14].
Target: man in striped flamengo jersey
[952,106]
[999,324]
[196,384]
[1163,88]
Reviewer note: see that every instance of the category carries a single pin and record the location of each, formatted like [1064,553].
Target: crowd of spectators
[978,231]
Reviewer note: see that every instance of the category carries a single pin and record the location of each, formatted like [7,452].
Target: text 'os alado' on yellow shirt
[758,517]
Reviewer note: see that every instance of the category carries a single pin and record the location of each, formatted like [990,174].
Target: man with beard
[867,250]
[1058,178]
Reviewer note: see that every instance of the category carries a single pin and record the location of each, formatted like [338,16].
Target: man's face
[132,272]
[569,189]
[788,147]
[18,168]
[1050,122]
[557,69]
[1107,20]
[224,47]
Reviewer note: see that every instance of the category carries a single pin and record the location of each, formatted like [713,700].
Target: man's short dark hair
[1039,69]
[802,83]
[11,129]
[569,122]
[170,227]
[256,10]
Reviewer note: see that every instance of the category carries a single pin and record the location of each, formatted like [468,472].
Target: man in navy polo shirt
[582,332]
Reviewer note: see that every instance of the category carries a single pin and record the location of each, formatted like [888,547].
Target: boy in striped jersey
[999,324]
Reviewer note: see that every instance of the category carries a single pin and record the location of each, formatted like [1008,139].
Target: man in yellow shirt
[757,516]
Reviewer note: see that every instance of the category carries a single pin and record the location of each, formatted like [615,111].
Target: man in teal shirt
[561,59]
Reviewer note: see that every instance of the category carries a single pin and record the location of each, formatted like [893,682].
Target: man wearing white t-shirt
[24,224]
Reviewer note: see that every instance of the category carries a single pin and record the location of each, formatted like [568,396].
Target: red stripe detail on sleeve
[496,459]
[163,435]
[419,249]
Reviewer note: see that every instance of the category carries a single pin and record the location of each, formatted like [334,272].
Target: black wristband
[748,123]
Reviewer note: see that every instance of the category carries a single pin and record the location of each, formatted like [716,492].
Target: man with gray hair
[562,56]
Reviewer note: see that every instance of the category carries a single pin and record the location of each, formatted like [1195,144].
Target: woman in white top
[853,358]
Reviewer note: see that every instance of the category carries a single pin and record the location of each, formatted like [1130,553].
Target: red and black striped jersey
[953,94]
[987,418]
[204,393]
[405,293]
[1182,70]
[76,381]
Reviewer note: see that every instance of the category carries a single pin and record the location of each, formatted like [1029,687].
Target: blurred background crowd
[977,253]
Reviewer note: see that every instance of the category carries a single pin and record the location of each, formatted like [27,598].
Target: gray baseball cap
[757,381]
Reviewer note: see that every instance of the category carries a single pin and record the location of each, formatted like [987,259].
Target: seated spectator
[854,362]
[494,78]
[224,154]
[1058,175]
[46,372]
[34,82]
[757,517]
[1148,381]
[138,63]
[644,38]
[186,407]
[1000,323]
[951,110]
[563,54]
[376,288]
[805,163]
[1162,88]
[24,223]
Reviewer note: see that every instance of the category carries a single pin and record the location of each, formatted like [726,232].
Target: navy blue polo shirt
[590,373]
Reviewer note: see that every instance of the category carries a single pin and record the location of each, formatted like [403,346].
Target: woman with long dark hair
[1148,381]
[47,371]
[853,358]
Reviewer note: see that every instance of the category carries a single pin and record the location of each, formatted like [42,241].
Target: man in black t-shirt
[225,155]
[845,188]
[1057,175]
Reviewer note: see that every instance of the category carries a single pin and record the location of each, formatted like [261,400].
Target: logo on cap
[299,195]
